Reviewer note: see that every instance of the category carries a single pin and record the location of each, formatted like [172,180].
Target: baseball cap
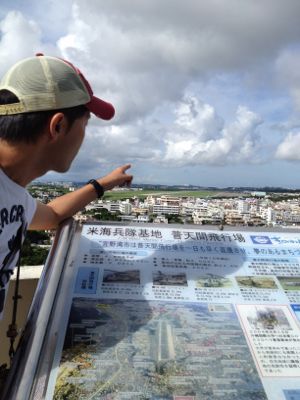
[49,83]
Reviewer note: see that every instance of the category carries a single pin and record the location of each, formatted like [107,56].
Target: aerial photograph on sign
[161,278]
[212,280]
[129,276]
[155,350]
[290,282]
[258,282]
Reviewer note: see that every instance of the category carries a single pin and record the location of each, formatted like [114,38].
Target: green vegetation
[281,197]
[32,253]
[38,237]
[33,189]
[104,215]
[174,219]
[127,194]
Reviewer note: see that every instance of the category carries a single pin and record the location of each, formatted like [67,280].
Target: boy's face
[69,144]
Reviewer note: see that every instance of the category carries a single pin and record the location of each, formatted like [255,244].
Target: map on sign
[181,314]
[156,350]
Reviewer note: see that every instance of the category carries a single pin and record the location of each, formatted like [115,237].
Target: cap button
[39,54]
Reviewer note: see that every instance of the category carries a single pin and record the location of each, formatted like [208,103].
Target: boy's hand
[117,177]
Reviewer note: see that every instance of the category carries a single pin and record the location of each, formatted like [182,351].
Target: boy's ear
[57,125]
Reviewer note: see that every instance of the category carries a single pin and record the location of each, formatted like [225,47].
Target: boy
[45,105]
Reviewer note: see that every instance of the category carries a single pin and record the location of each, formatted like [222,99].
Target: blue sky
[206,93]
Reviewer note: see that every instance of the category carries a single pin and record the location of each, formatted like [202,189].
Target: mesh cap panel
[49,83]
[28,78]
[45,83]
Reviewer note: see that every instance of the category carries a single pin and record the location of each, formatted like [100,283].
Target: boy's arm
[49,216]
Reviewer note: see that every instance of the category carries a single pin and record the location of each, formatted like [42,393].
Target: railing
[21,376]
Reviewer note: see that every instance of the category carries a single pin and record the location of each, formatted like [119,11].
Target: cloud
[19,38]
[288,73]
[194,116]
[289,148]
[200,137]
[149,57]
[140,55]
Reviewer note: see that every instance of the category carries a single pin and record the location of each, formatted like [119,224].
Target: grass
[126,194]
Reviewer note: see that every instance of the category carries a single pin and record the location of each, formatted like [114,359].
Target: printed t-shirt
[17,208]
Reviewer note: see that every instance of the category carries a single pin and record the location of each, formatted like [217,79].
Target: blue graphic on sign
[296,309]
[86,280]
[292,394]
[261,239]
[280,240]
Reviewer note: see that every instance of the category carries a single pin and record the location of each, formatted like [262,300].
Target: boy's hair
[27,127]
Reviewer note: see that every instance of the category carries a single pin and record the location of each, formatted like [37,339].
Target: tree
[105,215]
[31,254]
[39,237]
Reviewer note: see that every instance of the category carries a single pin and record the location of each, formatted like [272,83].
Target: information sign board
[176,313]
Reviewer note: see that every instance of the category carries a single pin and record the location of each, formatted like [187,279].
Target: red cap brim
[101,108]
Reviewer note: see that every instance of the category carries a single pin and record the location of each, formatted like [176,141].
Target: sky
[206,92]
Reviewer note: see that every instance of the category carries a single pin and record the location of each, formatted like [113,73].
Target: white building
[113,207]
[161,220]
[290,218]
[243,207]
[142,218]
[271,216]
[165,209]
[212,217]
[94,206]
[168,200]
[187,208]
[125,208]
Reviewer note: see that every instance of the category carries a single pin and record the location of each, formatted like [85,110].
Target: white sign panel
[179,313]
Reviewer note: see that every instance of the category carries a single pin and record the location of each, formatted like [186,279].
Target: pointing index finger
[126,167]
